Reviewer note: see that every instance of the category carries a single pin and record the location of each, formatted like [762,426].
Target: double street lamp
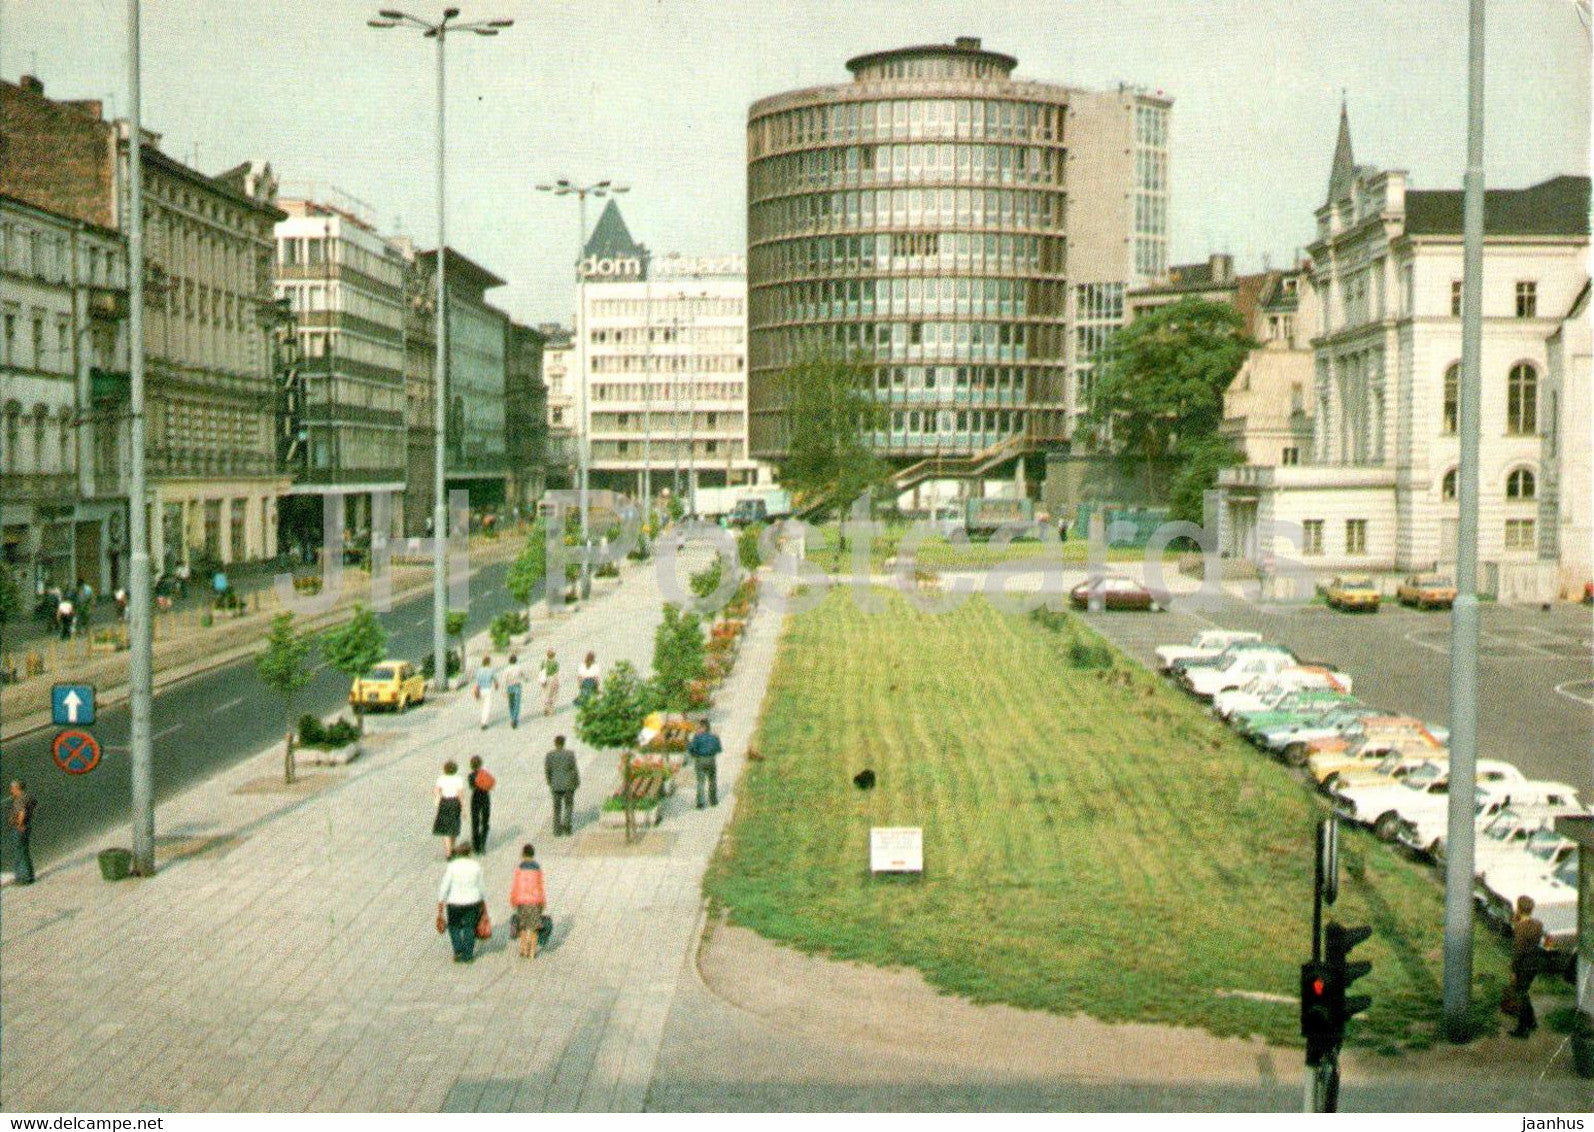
[564,187]
[392,18]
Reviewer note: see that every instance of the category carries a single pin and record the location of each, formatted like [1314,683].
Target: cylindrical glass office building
[920,215]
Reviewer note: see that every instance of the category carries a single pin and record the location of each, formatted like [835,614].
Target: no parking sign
[75,752]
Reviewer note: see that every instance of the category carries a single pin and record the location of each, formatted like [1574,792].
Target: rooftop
[1557,207]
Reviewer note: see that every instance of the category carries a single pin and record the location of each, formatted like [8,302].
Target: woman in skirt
[450,786]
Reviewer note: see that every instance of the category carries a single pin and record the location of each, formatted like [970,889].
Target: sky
[654,94]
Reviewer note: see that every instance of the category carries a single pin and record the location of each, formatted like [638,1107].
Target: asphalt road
[1536,695]
[202,725]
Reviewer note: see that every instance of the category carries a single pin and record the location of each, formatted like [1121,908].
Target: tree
[355,648]
[1160,381]
[611,719]
[830,411]
[1204,459]
[530,567]
[284,668]
[678,654]
[748,551]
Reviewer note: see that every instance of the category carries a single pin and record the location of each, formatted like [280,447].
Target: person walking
[704,747]
[481,803]
[450,786]
[528,898]
[1527,934]
[486,681]
[65,614]
[20,826]
[587,679]
[564,779]
[461,903]
[548,679]
[514,677]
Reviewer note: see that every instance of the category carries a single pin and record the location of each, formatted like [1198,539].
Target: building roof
[963,46]
[62,217]
[462,268]
[611,239]
[1557,207]
[1343,172]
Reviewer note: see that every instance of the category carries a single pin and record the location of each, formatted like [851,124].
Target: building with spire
[1378,489]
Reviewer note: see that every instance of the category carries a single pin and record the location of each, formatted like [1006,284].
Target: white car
[1424,790]
[1554,895]
[1208,642]
[1425,831]
[1264,692]
[1507,853]
[1235,669]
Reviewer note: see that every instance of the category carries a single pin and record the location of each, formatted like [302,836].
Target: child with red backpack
[529,899]
[481,803]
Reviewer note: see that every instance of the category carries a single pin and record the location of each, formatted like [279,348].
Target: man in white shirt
[486,681]
[514,680]
[461,903]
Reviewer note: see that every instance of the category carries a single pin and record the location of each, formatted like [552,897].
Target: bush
[506,625]
[678,657]
[748,552]
[641,552]
[707,580]
[615,804]
[428,667]
[676,509]
[611,719]
[607,570]
[311,733]
[1088,653]
[1054,619]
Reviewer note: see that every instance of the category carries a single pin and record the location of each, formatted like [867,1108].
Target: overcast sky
[655,94]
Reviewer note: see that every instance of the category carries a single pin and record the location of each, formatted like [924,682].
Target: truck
[760,505]
[984,515]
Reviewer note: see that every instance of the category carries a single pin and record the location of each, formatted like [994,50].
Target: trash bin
[116,864]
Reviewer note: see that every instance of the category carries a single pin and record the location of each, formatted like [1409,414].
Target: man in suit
[564,779]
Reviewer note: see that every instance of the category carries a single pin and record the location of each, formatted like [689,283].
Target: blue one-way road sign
[72,704]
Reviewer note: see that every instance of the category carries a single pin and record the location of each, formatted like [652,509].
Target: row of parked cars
[1390,772]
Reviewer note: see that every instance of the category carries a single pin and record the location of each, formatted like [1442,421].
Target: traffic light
[1338,941]
[1317,1017]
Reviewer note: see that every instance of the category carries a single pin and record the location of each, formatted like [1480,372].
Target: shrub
[506,625]
[678,657]
[707,580]
[1088,653]
[428,667]
[748,552]
[311,733]
[615,803]
[642,551]
[607,570]
[1054,619]
[611,719]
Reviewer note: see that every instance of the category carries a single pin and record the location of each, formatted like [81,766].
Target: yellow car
[392,684]
[1426,591]
[1353,593]
[1371,752]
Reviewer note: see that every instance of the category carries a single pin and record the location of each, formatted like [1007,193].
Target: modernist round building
[922,215]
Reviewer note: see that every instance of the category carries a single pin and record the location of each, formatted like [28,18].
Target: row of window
[855,165]
[47,257]
[915,297]
[1521,399]
[1517,534]
[978,381]
[222,258]
[48,353]
[909,251]
[1521,486]
[51,449]
[668,392]
[912,341]
[666,363]
[899,208]
[664,421]
[1527,298]
[660,309]
[315,251]
[661,452]
[668,335]
[956,423]
[905,120]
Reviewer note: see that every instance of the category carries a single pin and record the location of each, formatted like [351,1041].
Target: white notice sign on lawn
[896,849]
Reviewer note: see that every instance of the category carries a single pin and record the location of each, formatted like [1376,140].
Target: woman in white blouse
[587,678]
[448,790]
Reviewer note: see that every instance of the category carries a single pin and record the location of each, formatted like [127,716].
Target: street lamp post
[561,188]
[391,18]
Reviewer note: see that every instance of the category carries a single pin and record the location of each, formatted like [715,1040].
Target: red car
[1116,593]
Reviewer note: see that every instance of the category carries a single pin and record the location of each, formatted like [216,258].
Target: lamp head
[381,23]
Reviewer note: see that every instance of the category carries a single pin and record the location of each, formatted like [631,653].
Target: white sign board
[896,849]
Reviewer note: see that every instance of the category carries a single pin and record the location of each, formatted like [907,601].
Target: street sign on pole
[72,705]
[75,752]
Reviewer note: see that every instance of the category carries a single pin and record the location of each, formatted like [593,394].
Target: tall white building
[1379,489]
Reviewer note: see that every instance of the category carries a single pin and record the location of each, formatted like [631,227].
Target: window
[1527,299]
[1455,298]
[1519,534]
[1522,400]
[1291,457]
[1312,536]
[1520,484]
[1452,407]
[1447,486]
[1355,536]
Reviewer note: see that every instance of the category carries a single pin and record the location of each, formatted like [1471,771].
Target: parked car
[1234,670]
[1117,592]
[1362,755]
[1517,842]
[1426,789]
[1183,665]
[1291,740]
[1554,894]
[1267,689]
[392,684]
[1353,593]
[1426,591]
[1426,830]
[1296,705]
[1206,643]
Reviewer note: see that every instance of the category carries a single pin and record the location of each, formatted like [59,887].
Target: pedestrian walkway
[285,957]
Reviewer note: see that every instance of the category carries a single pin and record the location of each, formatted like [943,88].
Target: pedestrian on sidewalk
[548,678]
[461,903]
[447,791]
[564,779]
[514,681]
[528,898]
[1527,934]
[486,681]
[481,803]
[184,572]
[587,678]
[704,747]
[20,825]
[121,604]
[65,615]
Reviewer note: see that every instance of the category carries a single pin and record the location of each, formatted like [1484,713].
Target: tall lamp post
[565,187]
[392,18]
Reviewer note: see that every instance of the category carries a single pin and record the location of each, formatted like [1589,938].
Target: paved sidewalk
[285,958]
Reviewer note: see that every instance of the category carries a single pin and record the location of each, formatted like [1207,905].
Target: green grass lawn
[938,554]
[1093,841]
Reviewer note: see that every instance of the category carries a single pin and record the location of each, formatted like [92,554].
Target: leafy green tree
[707,580]
[284,668]
[530,567]
[1204,459]
[1160,381]
[678,656]
[830,411]
[355,648]
[611,719]
[747,549]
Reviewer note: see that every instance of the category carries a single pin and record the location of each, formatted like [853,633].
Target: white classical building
[1378,492]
